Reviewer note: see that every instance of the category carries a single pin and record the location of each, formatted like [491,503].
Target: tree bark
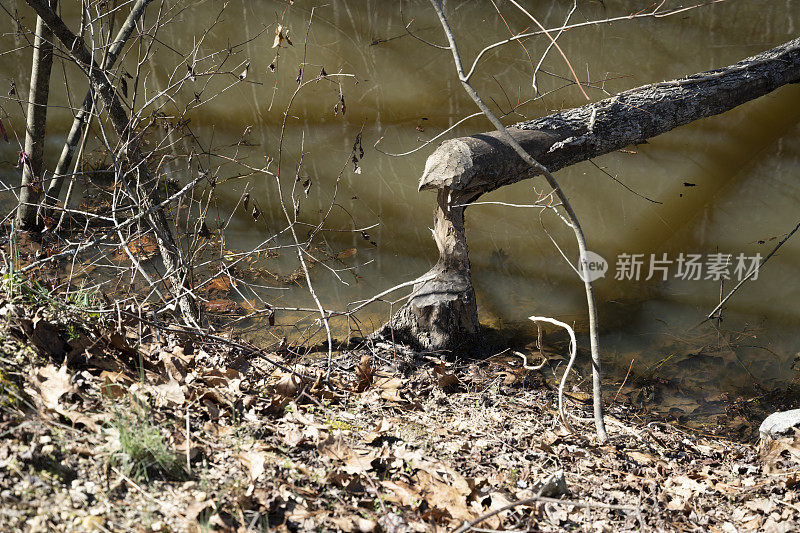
[147,191]
[442,313]
[467,167]
[32,179]
[62,168]
[483,162]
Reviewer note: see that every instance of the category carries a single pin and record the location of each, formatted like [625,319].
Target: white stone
[781,424]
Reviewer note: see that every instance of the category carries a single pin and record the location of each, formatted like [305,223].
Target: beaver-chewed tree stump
[441,314]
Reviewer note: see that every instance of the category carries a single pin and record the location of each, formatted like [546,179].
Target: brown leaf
[120,342]
[111,389]
[292,436]
[288,385]
[335,448]
[354,523]
[679,491]
[364,374]
[782,454]
[171,392]
[641,458]
[215,377]
[306,420]
[142,247]
[53,384]
[350,252]
[254,462]
[220,284]
[383,427]
[221,306]
[175,366]
[448,382]
[402,493]
[492,502]
[447,498]
[280,36]
[390,389]
[50,384]
[358,464]
[44,337]
[194,510]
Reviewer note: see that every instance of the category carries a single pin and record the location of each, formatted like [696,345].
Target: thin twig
[573,219]
[572,352]
[542,499]
[750,275]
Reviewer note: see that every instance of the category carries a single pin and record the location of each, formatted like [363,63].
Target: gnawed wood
[444,313]
[441,313]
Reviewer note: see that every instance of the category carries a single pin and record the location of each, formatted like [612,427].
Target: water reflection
[403,92]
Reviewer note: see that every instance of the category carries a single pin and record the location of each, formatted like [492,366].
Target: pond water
[726,184]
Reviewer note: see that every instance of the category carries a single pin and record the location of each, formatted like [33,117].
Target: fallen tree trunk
[441,313]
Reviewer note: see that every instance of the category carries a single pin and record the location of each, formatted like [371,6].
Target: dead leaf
[402,493]
[175,366]
[45,338]
[390,388]
[221,306]
[306,419]
[364,374]
[444,497]
[111,389]
[220,284]
[358,463]
[215,377]
[142,247]
[350,252]
[335,447]
[292,436]
[288,385]
[641,458]
[782,454]
[92,422]
[194,510]
[171,392]
[254,462]
[489,503]
[281,36]
[53,384]
[382,428]
[679,491]
[354,523]
[448,382]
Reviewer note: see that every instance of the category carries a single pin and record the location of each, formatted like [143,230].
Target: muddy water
[724,185]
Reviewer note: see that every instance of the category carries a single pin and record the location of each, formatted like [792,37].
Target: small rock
[92,523]
[779,425]
[553,486]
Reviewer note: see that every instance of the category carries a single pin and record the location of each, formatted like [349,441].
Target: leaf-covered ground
[123,428]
